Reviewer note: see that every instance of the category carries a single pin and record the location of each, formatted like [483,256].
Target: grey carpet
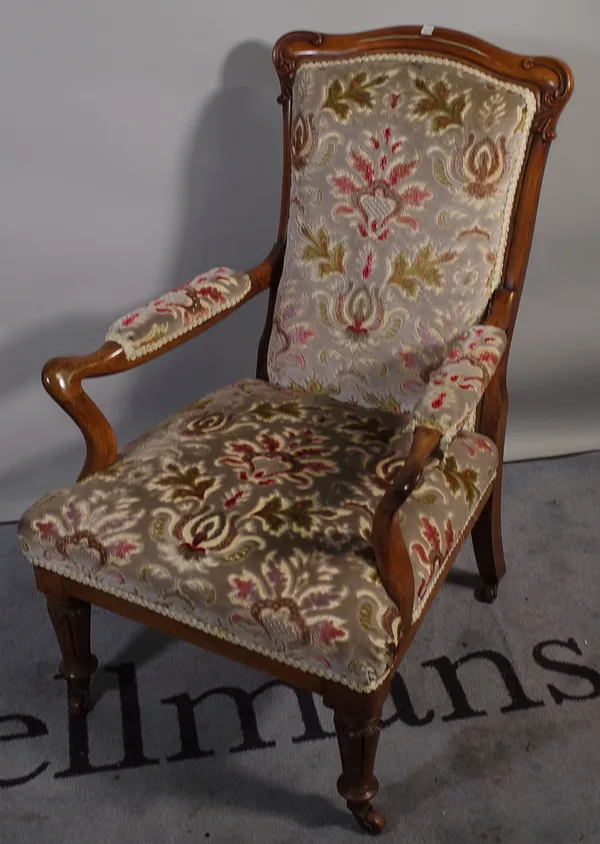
[494,758]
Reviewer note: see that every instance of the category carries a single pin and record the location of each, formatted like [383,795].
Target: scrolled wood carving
[555,82]
[286,62]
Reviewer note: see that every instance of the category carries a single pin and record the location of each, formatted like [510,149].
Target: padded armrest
[455,387]
[181,310]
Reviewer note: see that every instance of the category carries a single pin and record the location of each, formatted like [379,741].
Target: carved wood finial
[286,62]
[556,86]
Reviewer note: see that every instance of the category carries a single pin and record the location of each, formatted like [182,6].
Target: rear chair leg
[487,544]
[357,739]
[71,621]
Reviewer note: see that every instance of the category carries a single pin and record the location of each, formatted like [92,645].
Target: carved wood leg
[487,544]
[357,739]
[71,621]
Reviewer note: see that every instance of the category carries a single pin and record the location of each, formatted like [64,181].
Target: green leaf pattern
[424,271]
[357,94]
[330,259]
[436,104]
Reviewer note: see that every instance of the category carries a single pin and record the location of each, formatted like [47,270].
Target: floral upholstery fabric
[248,515]
[404,171]
[454,389]
[181,310]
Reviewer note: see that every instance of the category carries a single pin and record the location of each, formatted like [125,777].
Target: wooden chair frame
[356,715]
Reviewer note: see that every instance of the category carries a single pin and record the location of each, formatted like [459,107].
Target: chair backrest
[407,156]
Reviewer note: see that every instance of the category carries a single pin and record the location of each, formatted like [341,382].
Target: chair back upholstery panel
[404,172]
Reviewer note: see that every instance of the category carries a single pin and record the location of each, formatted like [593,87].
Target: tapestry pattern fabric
[248,515]
[404,172]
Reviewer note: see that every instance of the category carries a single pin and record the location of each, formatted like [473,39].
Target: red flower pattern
[377,197]
[432,551]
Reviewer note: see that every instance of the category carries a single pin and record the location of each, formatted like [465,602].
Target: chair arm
[179,312]
[391,554]
[188,312]
[455,387]
[431,431]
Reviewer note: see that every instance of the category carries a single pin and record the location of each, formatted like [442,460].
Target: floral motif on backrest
[404,172]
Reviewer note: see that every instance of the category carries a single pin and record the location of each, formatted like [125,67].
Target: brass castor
[368,817]
[487,593]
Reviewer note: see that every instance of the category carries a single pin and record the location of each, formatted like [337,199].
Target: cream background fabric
[404,173]
[142,144]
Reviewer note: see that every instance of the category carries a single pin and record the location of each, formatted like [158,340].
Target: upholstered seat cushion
[248,515]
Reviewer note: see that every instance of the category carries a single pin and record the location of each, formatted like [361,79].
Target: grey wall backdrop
[140,144]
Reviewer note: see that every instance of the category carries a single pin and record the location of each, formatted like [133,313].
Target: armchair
[302,522]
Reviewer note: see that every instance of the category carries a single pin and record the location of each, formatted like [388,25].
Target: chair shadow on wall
[231,187]
[228,215]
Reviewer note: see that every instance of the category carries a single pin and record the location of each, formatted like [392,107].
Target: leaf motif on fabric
[431,533]
[301,516]
[366,429]
[492,110]
[436,103]
[388,402]
[269,411]
[330,259]
[418,549]
[454,477]
[357,93]
[424,270]
[315,386]
[450,477]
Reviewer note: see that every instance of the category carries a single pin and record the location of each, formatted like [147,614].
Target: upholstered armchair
[303,521]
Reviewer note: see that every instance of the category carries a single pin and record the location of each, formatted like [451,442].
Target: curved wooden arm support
[391,554]
[62,376]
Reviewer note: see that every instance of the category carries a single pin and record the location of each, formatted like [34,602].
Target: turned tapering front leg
[71,621]
[357,739]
